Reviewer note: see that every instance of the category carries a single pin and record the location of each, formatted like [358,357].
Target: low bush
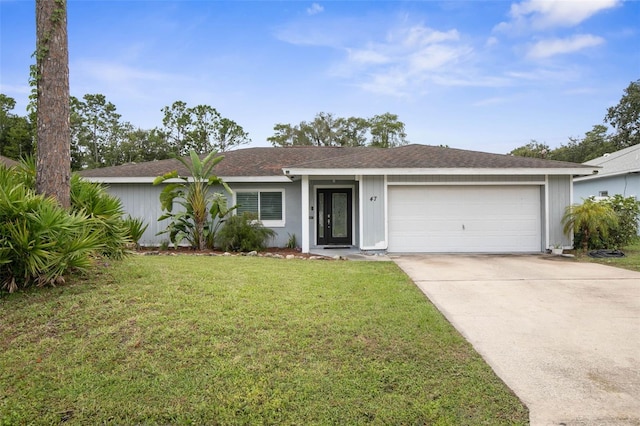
[244,233]
[606,233]
[40,241]
[628,211]
[135,227]
[107,213]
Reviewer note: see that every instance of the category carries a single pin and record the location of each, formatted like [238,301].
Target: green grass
[238,340]
[630,261]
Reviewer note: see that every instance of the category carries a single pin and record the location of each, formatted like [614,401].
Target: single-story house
[619,173]
[8,161]
[408,199]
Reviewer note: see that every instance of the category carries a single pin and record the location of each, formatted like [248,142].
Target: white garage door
[471,219]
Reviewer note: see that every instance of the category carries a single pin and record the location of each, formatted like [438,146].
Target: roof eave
[607,175]
[149,180]
[575,171]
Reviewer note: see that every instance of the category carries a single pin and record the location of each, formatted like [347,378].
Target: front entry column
[305,214]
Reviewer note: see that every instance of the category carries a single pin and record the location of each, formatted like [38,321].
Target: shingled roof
[241,162]
[265,162]
[616,163]
[426,156]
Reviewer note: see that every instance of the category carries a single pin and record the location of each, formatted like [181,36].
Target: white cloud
[545,14]
[11,89]
[314,9]
[117,79]
[404,60]
[552,47]
[564,74]
[435,57]
[419,35]
[491,41]
[392,82]
[318,32]
[118,73]
[367,56]
[492,101]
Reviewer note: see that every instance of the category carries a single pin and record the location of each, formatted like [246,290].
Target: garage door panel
[464,219]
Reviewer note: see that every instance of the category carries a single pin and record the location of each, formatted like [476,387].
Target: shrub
[135,229]
[591,219]
[628,210]
[292,242]
[91,199]
[619,234]
[244,233]
[195,197]
[39,240]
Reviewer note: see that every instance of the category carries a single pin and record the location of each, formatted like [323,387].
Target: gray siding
[373,214]
[559,190]
[143,201]
[626,185]
[292,212]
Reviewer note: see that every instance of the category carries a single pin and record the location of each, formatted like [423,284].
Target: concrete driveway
[563,335]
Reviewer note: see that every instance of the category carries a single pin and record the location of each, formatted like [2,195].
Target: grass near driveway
[219,340]
[630,261]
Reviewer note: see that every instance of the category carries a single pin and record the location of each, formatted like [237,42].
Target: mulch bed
[277,252]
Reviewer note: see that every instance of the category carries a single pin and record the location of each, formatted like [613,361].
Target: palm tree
[196,197]
[591,218]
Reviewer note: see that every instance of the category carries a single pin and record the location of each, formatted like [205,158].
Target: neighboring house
[619,174]
[8,161]
[408,199]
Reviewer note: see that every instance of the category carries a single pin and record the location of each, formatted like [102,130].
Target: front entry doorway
[334,215]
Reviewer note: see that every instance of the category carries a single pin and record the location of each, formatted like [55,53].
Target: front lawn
[630,261]
[239,340]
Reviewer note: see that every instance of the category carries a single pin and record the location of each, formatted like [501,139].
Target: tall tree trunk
[53,171]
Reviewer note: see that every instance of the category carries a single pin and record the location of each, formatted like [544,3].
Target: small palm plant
[39,240]
[135,229]
[106,212]
[592,219]
[194,195]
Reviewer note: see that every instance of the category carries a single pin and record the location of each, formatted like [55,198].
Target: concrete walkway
[350,253]
[563,335]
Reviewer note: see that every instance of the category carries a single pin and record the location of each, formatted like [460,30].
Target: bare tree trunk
[53,171]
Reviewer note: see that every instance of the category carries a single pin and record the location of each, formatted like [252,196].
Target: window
[268,205]
[603,194]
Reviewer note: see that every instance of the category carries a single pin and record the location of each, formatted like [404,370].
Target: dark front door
[334,216]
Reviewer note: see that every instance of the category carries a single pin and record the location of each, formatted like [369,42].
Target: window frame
[267,223]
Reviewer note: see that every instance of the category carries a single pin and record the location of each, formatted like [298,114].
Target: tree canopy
[625,119]
[16,133]
[325,129]
[201,129]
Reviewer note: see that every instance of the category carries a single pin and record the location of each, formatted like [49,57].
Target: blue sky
[481,75]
